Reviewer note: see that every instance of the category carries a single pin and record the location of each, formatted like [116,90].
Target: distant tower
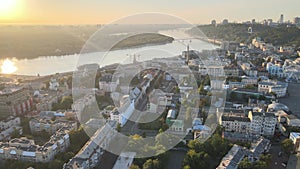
[134,59]
[281,19]
[250,30]
[225,21]
[297,20]
[213,22]
[188,53]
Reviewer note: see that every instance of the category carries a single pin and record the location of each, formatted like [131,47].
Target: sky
[106,11]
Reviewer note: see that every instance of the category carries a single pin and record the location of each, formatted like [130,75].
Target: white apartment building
[26,150]
[275,70]
[262,123]
[234,123]
[90,155]
[9,122]
[107,84]
[8,126]
[268,86]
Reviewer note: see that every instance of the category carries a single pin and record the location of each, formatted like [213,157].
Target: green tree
[287,145]
[245,164]
[251,87]
[15,133]
[152,164]
[56,164]
[133,166]
[119,127]
[66,102]
[187,167]
[260,165]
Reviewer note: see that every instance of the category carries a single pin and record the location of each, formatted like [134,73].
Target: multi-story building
[48,125]
[295,137]
[262,123]
[15,101]
[107,84]
[8,126]
[297,21]
[90,155]
[9,122]
[233,85]
[248,69]
[79,104]
[262,145]
[45,101]
[234,123]
[250,80]
[275,70]
[233,158]
[26,150]
[237,153]
[232,71]
[268,86]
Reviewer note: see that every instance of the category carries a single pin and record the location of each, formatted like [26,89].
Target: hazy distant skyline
[103,12]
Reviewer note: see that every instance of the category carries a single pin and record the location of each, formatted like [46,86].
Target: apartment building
[262,123]
[15,101]
[25,149]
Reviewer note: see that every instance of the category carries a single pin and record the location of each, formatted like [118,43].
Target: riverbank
[30,42]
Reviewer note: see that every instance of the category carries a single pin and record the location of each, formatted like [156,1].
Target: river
[46,65]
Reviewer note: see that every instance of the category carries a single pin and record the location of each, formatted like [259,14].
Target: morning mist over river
[46,65]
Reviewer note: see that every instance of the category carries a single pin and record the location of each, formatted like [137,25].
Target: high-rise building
[213,22]
[225,21]
[281,19]
[297,20]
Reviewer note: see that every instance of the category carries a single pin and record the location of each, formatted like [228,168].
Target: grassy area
[281,35]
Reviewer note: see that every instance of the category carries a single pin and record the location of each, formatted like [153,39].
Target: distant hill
[281,35]
[34,41]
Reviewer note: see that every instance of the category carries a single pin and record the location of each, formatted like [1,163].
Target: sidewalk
[294,161]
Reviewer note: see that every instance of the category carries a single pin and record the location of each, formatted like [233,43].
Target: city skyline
[104,12]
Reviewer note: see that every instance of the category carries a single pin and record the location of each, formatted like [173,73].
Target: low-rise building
[48,125]
[248,69]
[175,125]
[292,120]
[268,86]
[91,153]
[232,158]
[295,137]
[8,126]
[250,80]
[26,150]
[124,160]
[257,148]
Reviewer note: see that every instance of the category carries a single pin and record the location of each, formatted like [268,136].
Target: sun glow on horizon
[8,67]
[9,8]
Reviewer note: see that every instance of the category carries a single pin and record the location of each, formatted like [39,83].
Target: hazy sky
[106,11]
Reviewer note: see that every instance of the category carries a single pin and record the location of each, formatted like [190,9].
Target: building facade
[262,123]
[15,101]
